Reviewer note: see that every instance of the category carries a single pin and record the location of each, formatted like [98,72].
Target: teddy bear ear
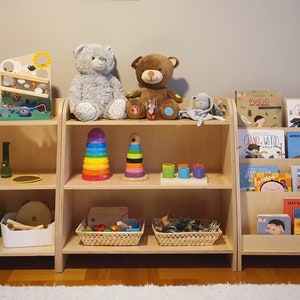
[174,61]
[135,62]
[109,48]
[78,49]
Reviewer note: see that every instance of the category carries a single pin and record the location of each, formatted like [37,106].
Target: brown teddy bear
[153,100]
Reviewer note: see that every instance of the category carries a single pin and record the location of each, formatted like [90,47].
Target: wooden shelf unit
[34,149]
[162,141]
[252,203]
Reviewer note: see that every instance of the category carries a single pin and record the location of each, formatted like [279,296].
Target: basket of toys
[185,231]
[108,226]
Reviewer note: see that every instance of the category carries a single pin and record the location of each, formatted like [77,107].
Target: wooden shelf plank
[27,251]
[215,181]
[48,182]
[287,244]
[147,245]
[144,122]
[23,92]
[24,76]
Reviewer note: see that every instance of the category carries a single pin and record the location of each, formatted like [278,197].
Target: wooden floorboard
[148,269]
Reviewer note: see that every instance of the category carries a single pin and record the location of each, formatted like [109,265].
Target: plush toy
[95,92]
[202,108]
[153,100]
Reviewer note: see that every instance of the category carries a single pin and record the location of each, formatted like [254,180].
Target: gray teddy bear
[95,92]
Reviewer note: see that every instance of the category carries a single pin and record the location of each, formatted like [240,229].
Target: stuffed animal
[202,108]
[95,92]
[153,100]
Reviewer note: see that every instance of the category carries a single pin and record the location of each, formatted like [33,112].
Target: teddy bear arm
[134,94]
[174,96]
[75,92]
[117,87]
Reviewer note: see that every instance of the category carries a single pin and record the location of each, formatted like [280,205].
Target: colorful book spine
[295,172]
[293,144]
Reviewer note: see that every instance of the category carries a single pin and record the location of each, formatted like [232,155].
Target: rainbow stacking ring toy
[95,162]
[134,170]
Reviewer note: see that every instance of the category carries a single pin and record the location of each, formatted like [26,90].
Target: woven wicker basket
[198,238]
[122,238]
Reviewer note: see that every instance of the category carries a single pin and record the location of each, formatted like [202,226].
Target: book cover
[261,143]
[292,112]
[296,213]
[274,224]
[289,205]
[247,172]
[275,182]
[296,229]
[293,144]
[297,226]
[295,172]
[259,108]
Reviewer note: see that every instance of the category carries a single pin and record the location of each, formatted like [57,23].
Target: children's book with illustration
[293,144]
[289,205]
[296,227]
[261,143]
[292,112]
[247,174]
[295,172]
[275,182]
[259,108]
[274,224]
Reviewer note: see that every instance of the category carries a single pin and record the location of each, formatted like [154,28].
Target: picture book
[295,172]
[259,108]
[289,205]
[275,182]
[297,226]
[247,172]
[261,143]
[293,144]
[296,213]
[274,224]
[292,112]
[296,229]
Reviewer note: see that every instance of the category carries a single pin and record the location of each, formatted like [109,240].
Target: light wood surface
[162,141]
[252,203]
[138,270]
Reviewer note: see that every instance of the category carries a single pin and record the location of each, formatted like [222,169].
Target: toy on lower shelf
[96,163]
[134,170]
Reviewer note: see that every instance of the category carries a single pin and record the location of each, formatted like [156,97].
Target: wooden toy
[25,85]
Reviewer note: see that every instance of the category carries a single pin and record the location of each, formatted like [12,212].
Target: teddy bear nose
[150,73]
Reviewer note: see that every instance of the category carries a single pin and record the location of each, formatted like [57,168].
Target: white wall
[222,45]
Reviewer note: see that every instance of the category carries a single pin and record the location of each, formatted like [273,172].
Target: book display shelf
[162,141]
[34,148]
[253,203]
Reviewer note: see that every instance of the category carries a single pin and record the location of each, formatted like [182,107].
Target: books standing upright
[292,112]
[259,108]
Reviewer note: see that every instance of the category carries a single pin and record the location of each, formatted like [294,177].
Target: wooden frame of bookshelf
[176,141]
[252,203]
[34,149]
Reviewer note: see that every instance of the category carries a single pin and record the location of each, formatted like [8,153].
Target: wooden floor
[146,269]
